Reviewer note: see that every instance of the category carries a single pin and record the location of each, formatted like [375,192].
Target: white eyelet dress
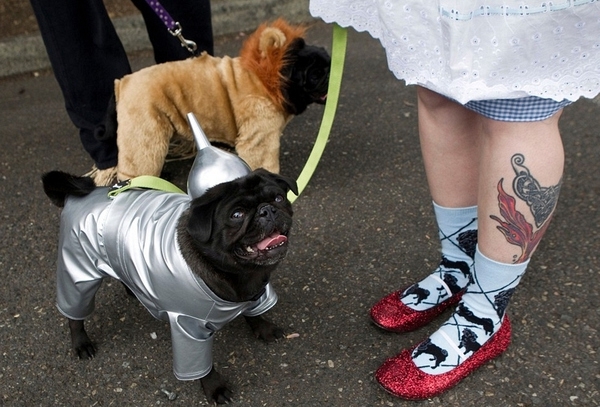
[473,50]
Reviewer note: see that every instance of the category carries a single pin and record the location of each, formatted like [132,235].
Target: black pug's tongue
[271,241]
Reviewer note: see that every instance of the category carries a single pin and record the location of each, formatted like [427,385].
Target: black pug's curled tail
[58,184]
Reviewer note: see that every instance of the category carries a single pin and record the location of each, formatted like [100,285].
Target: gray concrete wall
[27,53]
[230,16]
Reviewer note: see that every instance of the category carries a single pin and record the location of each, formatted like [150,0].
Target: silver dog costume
[133,239]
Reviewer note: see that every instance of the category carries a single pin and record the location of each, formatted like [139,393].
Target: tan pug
[244,102]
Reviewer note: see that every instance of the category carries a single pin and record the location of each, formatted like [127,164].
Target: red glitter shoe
[402,378]
[391,314]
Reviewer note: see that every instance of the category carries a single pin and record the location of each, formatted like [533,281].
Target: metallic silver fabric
[132,238]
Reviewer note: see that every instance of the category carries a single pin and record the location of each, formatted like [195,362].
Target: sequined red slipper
[391,314]
[402,378]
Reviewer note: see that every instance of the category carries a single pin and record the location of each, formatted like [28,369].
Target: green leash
[144,181]
[338,54]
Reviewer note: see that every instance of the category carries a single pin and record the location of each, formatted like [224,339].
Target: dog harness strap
[173,26]
[143,181]
[338,55]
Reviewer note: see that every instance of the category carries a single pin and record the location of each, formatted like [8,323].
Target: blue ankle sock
[458,235]
[477,318]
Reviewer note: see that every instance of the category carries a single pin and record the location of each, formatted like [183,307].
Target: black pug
[195,263]
[243,102]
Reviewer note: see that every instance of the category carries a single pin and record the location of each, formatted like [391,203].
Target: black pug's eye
[238,214]
[315,76]
[312,74]
[279,198]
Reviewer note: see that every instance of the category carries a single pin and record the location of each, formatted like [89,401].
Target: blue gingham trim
[527,109]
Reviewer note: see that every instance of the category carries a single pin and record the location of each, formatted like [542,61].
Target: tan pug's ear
[270,38]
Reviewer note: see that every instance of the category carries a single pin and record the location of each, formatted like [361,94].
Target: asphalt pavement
[363,227]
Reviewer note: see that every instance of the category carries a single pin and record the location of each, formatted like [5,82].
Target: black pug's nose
[267,211]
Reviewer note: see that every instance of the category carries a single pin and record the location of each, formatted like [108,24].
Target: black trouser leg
[86,56]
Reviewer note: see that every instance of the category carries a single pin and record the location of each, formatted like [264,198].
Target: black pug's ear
[199,225]
[295,46]
[291,57]
[202,209]
[284,182]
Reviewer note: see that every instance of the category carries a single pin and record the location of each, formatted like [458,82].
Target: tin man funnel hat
[212,166]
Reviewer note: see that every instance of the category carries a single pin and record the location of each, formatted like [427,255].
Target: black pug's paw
[265,330]
[81,342]
[215,388]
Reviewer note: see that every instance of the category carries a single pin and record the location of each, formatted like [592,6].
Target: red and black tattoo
[541,202]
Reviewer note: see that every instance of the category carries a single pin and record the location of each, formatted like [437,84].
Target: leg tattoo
[540,200]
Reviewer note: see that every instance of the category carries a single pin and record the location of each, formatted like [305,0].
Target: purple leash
[173,26]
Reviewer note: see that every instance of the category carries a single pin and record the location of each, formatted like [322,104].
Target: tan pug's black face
[306,76]
[243,223]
